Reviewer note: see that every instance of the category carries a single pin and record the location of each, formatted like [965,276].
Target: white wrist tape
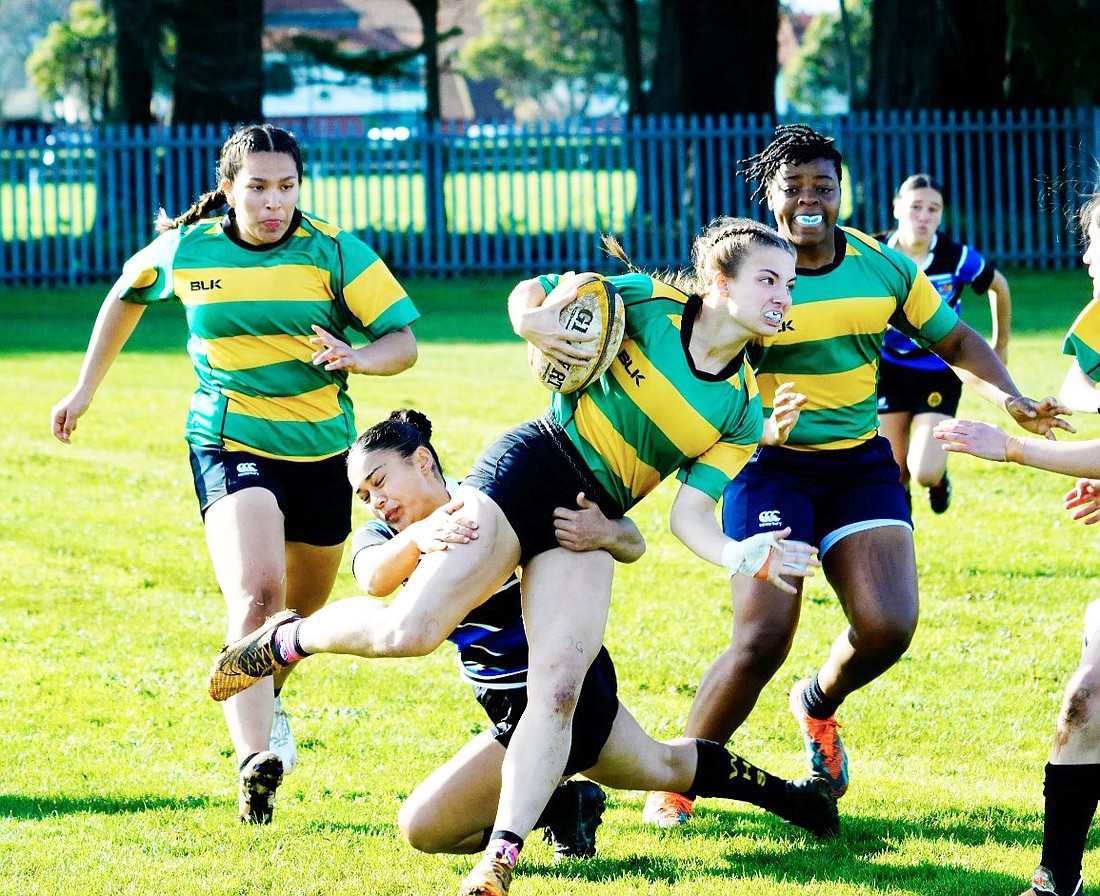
[751,557]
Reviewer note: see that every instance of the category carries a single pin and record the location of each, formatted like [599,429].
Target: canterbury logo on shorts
[769,518]
[247,469]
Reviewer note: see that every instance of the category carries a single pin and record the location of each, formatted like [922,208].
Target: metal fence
[74,204]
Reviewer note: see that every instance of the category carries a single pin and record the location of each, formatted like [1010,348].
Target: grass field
[116,775]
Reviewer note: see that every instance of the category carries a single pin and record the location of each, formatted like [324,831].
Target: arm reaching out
[993,443]
[978,366]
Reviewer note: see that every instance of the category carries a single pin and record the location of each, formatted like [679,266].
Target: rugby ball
[596,311]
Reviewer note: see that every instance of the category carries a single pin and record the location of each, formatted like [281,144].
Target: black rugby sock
[727,775]
[1071,793]
[816,703]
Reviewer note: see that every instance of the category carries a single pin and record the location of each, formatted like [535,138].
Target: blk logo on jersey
[203,285]
[788,326]
[769,518]
[628,365]
[247,469]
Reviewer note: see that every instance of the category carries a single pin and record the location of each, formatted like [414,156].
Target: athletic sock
[727,775]
[247,759]
[1071,793]
[504,845]
[288,649]
[816,704]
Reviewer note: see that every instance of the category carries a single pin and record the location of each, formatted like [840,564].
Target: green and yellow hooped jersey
[1083,340]
[652,413]
[831,341]
[249,313]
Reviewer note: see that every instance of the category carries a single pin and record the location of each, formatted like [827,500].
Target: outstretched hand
[1084,499]
[1040,417]
[970,437]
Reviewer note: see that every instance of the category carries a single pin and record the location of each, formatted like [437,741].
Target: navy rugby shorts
[529,472]
[314,496]
[821,495]
[597,707]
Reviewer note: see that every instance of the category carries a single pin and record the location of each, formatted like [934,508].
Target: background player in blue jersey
[691,410]
[395,470]
[265,289]
[917,389]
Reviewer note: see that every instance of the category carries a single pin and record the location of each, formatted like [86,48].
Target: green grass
[116,775]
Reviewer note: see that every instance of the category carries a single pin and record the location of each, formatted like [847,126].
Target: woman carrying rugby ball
[679,398]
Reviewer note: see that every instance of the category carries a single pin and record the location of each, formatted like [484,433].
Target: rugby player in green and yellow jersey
[678,399]
[834,482]
[271,295]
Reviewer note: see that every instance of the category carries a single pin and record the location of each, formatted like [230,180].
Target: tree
[74,60]
[219,62]
[950,57]
[830,61]
[22,23]
[1051,53]
[554,55]
[715,58]
[137,38]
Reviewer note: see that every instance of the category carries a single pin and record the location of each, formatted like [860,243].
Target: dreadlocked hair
[402,431]
[793,144]
[244,141]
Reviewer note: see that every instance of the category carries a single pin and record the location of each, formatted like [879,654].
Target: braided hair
[244,141]
[402,431]
[722,247]
[793,144]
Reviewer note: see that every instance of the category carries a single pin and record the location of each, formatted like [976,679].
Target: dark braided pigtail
[793,144]
[203,206]
[241,143]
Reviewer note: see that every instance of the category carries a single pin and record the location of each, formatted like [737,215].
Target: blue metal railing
[74,204]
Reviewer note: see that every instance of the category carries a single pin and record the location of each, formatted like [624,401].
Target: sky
[812,5]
